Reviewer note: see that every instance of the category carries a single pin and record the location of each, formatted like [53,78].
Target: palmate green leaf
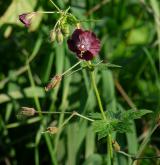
[123,127]
[132,114]
[103,128]
[120,124]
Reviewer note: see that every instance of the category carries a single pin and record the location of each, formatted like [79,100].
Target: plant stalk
[97,95]
[109,138]
[48,12]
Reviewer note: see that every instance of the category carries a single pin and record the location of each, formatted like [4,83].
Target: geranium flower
[26,18]
[84,43]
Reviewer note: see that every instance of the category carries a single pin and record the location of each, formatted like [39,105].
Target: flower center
[81,47]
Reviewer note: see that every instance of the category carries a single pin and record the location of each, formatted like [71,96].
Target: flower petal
[76,33]
[84,43]
[23,18]
[86,56]
[71,45]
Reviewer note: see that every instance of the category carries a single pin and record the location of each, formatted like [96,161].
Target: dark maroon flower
[84,43]
[26,18]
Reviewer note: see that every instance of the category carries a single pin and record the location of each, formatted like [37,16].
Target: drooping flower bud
[54,82]
[59,36]
[26,18]
[52,35]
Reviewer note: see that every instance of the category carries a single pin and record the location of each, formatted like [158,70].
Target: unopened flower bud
[26,18]
[63,21]
[52,35]
[59,36]
[54,82]
[65,30]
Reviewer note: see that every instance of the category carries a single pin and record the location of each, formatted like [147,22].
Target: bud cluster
[62,28]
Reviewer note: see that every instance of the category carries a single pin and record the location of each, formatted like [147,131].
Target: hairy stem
[109,138]
[97,94]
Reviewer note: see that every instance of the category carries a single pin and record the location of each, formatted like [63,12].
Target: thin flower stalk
[54,129]
[27,111]
[71,67]
[55,6]
[97,94]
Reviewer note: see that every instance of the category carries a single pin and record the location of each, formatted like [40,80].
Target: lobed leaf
[132,114]
[120,124]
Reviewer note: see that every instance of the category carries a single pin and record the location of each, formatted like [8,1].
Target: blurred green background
[130,37]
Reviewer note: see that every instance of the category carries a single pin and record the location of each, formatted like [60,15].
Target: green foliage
[118,122]
[103,128]
[132,114]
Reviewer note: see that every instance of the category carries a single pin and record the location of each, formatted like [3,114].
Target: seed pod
[59,36]
[52,35]
[65,29]
[52,130]
[27,111]
[116,146]
[54,82]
